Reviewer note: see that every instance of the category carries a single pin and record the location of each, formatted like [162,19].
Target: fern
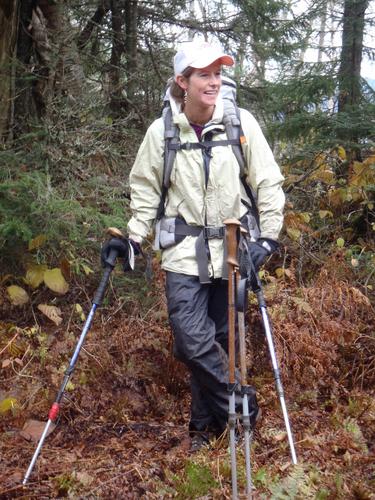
[295,486]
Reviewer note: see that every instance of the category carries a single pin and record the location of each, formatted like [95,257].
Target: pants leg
[198,315]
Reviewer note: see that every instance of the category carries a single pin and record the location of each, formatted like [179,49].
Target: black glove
[121,246]
[259,250]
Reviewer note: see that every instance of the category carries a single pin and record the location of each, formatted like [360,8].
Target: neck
[198,116]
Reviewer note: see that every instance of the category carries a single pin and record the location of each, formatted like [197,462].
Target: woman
[205,189]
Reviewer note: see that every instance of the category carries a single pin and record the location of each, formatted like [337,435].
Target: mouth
[211,92]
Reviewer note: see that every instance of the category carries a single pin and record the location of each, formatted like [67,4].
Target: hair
[175,90]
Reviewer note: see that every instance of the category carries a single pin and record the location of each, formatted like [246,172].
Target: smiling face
[202,87]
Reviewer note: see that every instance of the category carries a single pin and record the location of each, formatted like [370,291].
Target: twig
[8,344]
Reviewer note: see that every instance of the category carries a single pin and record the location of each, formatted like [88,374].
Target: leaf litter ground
[122,431]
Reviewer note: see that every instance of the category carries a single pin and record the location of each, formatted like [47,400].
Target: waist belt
[204,233]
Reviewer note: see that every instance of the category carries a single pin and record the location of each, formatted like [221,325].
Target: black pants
[199,319]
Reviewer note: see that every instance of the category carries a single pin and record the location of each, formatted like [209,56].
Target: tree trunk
[8,37]
[102,10]
[115,89]
[59,68]
[131,38]
[322,31]
[351,53]
[24,105]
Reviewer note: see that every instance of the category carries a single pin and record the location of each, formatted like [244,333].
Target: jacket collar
[179,117]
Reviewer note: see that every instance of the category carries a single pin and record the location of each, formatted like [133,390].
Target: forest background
[80,83]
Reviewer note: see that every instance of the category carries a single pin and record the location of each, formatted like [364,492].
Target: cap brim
[223,59]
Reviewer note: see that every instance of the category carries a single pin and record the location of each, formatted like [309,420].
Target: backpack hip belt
[172,230]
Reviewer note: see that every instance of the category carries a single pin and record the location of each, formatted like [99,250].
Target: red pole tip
[54,411]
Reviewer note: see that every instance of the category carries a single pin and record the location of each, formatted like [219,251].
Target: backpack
[170,231]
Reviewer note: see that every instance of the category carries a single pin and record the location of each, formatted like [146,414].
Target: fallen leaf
[65,268]
[293,233]
[80,312]
[280,436]
[6,363]
[8,404]
[17,295]
[83,477]
[37,242]
[33,429]
[52,312]
[35,274]
[55,281]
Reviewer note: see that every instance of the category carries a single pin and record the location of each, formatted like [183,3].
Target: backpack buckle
[210,233]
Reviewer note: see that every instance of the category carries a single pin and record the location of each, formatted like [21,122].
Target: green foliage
[72,215]
[301,482]
[196,481]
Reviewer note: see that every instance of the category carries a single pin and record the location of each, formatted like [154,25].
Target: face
[202,86]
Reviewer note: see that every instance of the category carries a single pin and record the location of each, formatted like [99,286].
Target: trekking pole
[245,389]
[98,298]
[254,281]
[232,227]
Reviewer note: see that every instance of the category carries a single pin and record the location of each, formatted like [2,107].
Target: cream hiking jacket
[190,198]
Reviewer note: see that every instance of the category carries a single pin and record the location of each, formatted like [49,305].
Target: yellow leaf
[52,312]
[323,174]
[87,269]
[325,213]
[17,295]
[293,233]
[341,153]
[35,275]
[37,242]
[362,175]
[55,281]
[80,312]
[305,217]
[8,404]
[279,272]
[302,304]
[69,386]
[340,242]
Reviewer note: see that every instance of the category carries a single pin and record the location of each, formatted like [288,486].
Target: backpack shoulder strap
[233,129]
[171,137]
[235,133]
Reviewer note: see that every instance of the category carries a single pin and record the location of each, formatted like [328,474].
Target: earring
[185,95]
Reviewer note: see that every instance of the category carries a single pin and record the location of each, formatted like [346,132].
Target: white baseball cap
[199,55]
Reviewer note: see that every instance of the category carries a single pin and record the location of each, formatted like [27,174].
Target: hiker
[204,190]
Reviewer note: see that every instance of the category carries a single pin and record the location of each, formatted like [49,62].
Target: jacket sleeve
[264,176]
[145,181]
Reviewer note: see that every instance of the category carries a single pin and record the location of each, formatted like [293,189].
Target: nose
[215,80]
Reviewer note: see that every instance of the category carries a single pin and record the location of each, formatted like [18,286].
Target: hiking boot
[198,441]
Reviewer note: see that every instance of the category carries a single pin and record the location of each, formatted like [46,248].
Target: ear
[181,81]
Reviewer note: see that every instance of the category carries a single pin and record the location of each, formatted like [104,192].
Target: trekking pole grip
[232,226]
[111,260]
